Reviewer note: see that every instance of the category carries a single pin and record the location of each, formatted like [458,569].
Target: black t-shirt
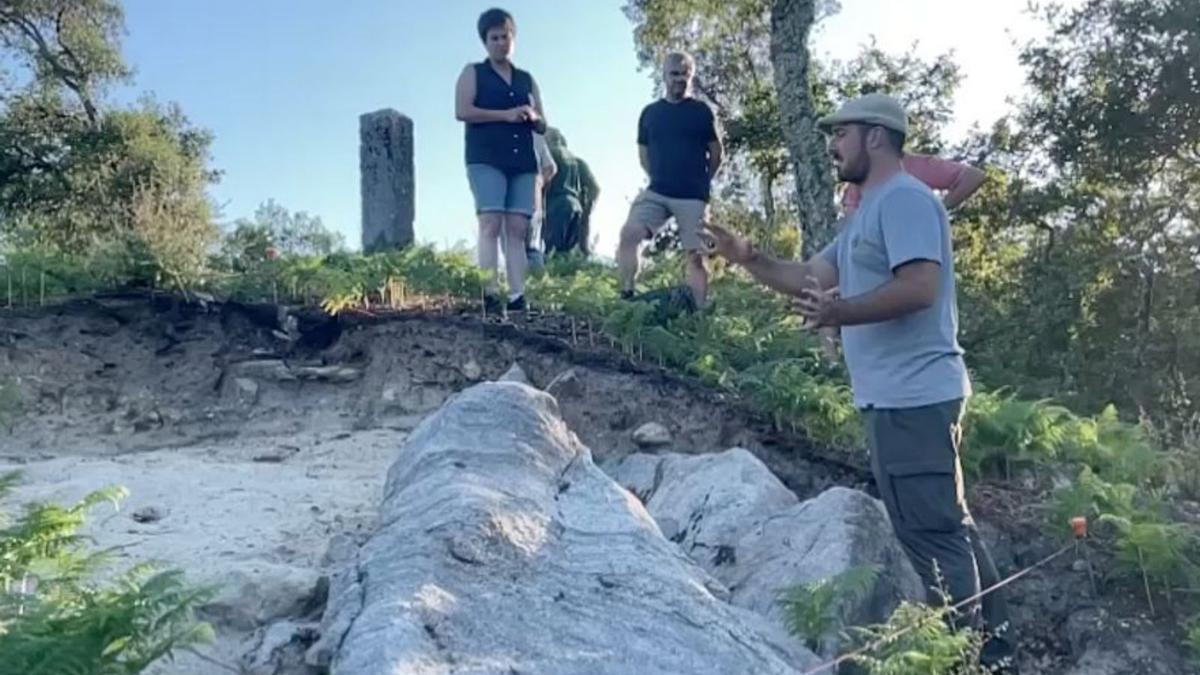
[676,136]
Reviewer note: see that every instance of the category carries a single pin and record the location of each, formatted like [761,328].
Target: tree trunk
[791,22]
[1144,395]
[768,197]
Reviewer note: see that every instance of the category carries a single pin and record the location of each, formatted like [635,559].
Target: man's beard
[855,173]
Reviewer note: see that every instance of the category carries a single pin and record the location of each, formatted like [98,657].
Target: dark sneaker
[491,304]
[626,295]
[998,657]
[517,304]
[669,303]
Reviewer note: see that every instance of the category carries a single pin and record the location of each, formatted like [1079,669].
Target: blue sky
[281,84]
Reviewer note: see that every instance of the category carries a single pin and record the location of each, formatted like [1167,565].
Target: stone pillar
[385,159]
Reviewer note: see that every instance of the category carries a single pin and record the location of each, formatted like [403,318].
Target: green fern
[55,620]
[1147,545]
[816,610]
[929,646]
[1192,639]
[1004,432]
[1161,553]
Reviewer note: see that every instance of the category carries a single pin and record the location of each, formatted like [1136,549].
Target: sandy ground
[252,516]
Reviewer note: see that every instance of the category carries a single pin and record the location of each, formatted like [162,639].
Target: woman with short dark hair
[501,108]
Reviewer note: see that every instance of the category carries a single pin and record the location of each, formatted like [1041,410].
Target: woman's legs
[489,186]
[515,261]
[522,189]
[490,224]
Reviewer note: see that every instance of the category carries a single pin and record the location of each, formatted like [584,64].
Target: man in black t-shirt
[680,149]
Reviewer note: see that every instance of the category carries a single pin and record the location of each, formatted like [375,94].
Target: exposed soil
[252,444]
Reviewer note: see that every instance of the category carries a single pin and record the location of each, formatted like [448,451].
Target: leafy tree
[67,44]
[737,47]
[791,23]
[275,229]
[1101,197]
[925,88]
[731,44]
[77,174]
[297,233]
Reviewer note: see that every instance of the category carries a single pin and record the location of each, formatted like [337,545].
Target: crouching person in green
[570,196]
[887,282]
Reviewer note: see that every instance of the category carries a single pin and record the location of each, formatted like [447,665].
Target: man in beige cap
[887,281]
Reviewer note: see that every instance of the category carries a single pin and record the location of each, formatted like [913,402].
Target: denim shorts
[498,192]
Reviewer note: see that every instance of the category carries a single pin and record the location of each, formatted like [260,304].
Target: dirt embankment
[252,445]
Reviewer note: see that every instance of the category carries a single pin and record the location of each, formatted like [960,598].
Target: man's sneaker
[491,304]
[669,302]
[517,304]
[626,295]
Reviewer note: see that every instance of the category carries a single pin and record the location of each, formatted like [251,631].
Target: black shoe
[999,657]
[491,304]
[626,295]
[669,302]
[517,304]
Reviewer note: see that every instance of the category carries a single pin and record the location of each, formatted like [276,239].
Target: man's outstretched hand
[818,306]
[726,244]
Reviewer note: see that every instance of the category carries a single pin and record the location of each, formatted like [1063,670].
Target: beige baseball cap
[875,109]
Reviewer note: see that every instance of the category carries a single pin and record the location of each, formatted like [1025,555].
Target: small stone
[276,455]
[148,420]
[651,434]
[335,374]
[471,370]
[266,369]
[1080,566]
[280,645]
[246,390]
[389,395]
[567,384]
[148,514]
[515,374]
[1083,626]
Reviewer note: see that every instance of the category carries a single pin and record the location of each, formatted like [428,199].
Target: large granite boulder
[732,516]
[502,548]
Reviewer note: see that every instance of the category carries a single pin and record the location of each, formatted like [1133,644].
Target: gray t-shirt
[914,360]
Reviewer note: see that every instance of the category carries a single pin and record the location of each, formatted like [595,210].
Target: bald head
[678,69]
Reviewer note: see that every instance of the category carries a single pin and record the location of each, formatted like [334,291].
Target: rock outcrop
[502,548]
[731,515]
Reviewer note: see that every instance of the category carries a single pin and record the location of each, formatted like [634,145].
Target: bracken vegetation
[1078,264]
[57,619]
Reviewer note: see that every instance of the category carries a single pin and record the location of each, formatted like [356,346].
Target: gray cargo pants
[914,455]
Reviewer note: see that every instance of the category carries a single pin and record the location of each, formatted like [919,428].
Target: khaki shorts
[652,211]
